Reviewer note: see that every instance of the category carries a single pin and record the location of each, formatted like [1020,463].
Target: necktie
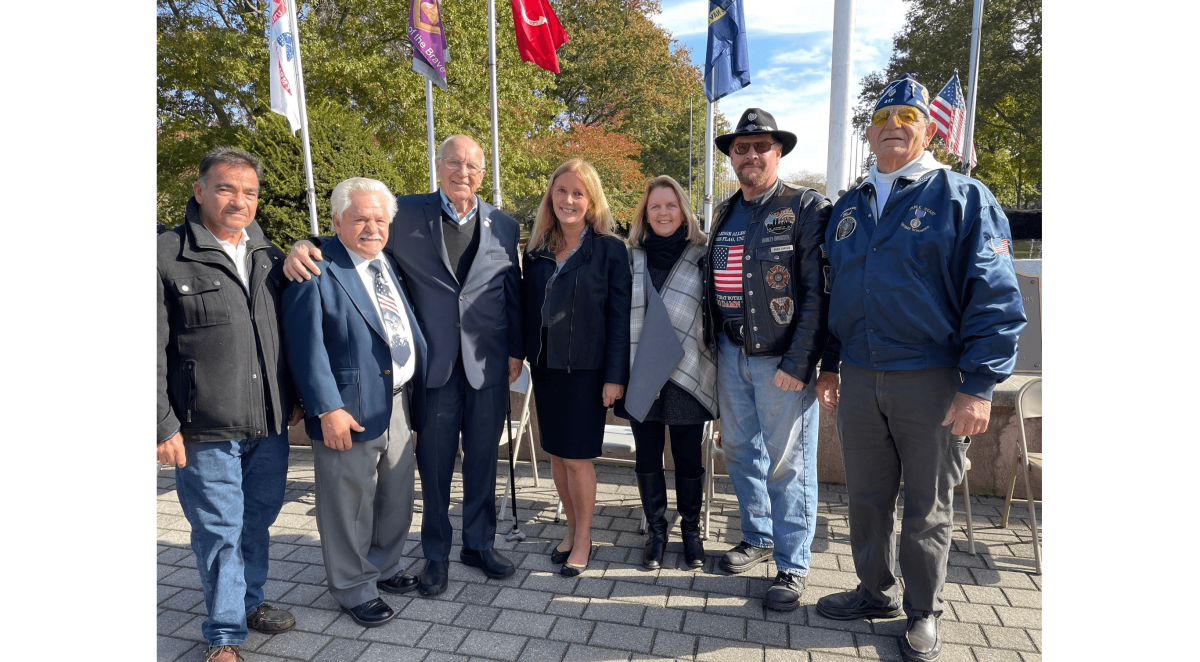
[390,314]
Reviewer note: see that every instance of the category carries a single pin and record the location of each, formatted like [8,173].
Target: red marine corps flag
[539,33]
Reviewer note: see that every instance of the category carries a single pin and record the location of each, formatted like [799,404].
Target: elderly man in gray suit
[458,255]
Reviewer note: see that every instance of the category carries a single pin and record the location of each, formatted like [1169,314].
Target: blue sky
[791,45]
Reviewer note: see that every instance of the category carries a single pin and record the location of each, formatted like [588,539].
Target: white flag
[280,15]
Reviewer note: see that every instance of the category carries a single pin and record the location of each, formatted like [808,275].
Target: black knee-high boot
[653,488]
[689,495]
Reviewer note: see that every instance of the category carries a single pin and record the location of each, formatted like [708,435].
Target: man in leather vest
[766,306]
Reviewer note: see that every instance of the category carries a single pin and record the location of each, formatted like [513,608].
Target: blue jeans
[770,441]
[231,492]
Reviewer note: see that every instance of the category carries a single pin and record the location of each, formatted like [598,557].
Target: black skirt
[570,411]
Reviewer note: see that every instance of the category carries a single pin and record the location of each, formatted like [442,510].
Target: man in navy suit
[358,359]
[459,257]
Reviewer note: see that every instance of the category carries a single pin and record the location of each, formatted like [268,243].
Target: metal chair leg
[1012,485]
[970,525]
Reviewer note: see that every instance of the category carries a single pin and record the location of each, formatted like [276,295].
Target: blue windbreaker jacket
[932,285]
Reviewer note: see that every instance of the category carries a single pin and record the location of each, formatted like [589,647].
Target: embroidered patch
[780,249]
[845,228]
[824,253]
[778,277]
[782,309]
[917,224]
[781,220]
[828,278]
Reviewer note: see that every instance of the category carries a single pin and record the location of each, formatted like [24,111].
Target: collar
[449,208]
[911,171]
[762,198]
[360,262]
[242,245]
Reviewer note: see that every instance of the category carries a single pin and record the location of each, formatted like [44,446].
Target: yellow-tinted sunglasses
[907,115]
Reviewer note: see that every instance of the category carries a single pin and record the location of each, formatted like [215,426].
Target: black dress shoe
[491,562]
[401,583]
[557,557]
[784,594]
[371,614]
[851,605]
[744,556]
[434,578]
[923,641]
[569,570]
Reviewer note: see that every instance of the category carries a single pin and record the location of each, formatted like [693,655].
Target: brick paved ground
[616,610]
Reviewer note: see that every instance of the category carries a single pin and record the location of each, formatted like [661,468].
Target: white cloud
[785,84]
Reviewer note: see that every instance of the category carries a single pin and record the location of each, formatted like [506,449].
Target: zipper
[191,371]
[571,329]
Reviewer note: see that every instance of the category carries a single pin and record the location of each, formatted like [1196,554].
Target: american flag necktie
[390,315]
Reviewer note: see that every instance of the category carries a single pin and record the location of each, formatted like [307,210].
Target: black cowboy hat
[756,121]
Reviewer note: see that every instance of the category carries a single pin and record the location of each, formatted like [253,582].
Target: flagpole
[836,166]
[972,89]
[691,131]
[308,168]
[708,158]
[429,133]
[495,114]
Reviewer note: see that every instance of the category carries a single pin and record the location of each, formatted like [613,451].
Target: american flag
[1001,248]
[727,268]
[949,113]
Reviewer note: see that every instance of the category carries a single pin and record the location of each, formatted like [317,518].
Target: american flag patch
[1000,248]
[727,268]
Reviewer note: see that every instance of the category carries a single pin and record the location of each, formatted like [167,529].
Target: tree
[808,178]
[1008,126]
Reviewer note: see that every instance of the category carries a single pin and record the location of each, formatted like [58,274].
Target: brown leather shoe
[269,620]
[224,654]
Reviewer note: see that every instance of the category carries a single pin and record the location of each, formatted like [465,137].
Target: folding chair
[519,428]
[1029,405]
[711,451]
[617,439]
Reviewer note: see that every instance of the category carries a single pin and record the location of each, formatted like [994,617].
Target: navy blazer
[481,317]
[337,351]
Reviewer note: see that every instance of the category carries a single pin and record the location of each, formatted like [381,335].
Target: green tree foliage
[624,87]
[935,40]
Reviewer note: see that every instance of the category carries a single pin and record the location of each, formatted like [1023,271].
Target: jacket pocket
[349,390]
[202,301]
[190,392]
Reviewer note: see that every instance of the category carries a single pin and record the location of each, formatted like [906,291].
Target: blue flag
[726,61]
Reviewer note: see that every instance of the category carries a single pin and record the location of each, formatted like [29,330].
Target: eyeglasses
[762,147]
[907,115]
[472,169]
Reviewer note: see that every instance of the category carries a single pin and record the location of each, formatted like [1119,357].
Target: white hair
[340,199]
[441,153]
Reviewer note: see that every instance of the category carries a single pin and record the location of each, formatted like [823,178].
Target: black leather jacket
[786,304]
[589,308]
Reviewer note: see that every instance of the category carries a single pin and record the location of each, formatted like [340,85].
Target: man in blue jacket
[925,306]
[459,257]
[358,358]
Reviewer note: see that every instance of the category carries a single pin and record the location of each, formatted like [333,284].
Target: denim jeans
[770,441]
[231,492]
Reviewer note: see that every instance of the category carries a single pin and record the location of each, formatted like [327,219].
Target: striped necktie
[390,314]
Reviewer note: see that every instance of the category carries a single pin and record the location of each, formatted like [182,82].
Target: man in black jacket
[766,306]
[224,393]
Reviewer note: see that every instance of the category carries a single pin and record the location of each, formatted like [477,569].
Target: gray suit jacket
[479,318]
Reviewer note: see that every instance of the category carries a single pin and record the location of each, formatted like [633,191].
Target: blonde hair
[546,231]
[637,228]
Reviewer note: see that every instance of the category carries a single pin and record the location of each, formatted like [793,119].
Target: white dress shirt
[448,207]
[403,373]
[236,253]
